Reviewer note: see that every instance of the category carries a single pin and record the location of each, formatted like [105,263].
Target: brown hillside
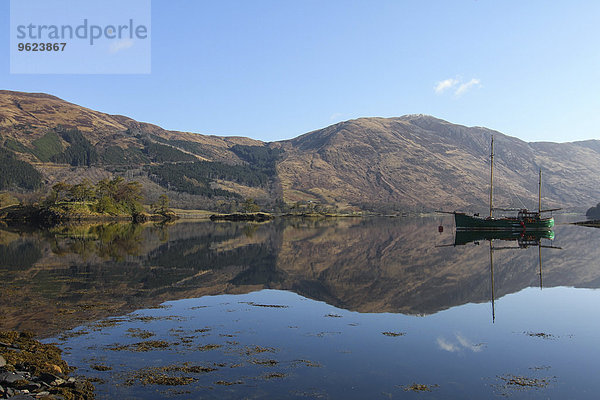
[414,162]
[25,118]
[421,162]
[28,116]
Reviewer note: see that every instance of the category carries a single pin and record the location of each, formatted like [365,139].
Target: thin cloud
[457,85]
[444,85]
[463,88]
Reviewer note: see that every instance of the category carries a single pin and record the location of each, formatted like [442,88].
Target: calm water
[351,308]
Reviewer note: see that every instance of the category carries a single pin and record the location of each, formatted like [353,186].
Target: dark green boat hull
[467,222]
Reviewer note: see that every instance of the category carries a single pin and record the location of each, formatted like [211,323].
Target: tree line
[109,196]
[15,173]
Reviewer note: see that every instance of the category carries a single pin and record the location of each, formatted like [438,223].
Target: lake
[345,308]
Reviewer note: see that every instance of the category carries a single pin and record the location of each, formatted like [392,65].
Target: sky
[273,70]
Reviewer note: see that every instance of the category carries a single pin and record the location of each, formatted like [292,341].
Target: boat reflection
[524,240]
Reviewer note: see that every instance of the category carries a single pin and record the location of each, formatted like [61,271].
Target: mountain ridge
[414,162]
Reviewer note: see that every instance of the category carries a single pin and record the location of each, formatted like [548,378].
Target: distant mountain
[409,163]
[28,116]
[69,142]
[421,162]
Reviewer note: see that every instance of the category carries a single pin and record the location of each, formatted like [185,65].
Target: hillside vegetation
[15,174]
[409,163]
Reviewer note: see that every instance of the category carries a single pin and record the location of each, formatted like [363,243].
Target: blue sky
[273,70]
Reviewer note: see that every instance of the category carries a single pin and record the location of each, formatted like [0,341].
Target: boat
[525,220]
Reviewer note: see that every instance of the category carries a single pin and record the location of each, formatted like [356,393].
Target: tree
[83,191]
[162,205]
[116,195]
[59,192]
[250,206]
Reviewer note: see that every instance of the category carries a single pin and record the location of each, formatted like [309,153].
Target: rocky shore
[257,216]
[30,369]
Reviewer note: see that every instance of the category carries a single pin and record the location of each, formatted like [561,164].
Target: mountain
[421,162]
[409,163]
[68,142]
[29,116]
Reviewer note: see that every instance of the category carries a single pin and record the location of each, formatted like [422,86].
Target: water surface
[348,308]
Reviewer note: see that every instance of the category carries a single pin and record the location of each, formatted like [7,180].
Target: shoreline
[594,223]
[48,217]
[32,369]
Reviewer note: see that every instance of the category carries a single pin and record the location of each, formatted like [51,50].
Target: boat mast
[492,177]
[540,193]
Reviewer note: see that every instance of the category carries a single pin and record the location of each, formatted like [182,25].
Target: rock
[10,377]
[10,346]
[22,397]
[258,217]
[51,379]
[55,368]
[59,381]
[31,386]
[19,381]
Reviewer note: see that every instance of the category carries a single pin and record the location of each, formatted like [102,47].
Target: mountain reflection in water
[56,279]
